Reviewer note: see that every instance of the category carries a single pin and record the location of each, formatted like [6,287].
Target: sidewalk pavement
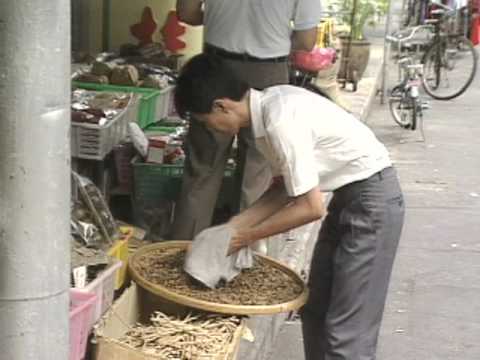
[433,308]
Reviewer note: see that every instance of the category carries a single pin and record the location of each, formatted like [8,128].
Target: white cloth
[207,260]
[261,28]
[310,141]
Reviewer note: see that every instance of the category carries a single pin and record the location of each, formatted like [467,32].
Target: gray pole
[34,179]
[385,53]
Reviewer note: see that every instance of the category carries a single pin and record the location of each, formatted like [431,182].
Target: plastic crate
[81,313]
[164,104]
[94,142]
[154,104]
[160,130]
[119,251]
[154,182]
[103,287]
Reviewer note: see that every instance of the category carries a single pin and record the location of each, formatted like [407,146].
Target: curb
[360,102]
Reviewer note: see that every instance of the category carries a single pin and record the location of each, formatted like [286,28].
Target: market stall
[127,142]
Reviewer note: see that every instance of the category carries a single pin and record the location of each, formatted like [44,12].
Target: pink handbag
[313,61]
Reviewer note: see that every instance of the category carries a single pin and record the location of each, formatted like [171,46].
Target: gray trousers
[207,153]
[351,268]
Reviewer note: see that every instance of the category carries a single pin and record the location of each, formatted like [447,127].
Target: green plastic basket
[154,104]
[160,130]
[156,182]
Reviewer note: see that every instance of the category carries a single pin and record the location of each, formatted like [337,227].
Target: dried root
[261,285]
[194,337]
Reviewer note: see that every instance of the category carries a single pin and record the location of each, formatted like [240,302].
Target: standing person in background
[255,38]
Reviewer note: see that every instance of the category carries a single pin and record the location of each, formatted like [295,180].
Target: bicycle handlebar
[443,6]
[413,31]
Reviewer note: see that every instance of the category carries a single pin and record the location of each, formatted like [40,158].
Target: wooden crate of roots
[124,333]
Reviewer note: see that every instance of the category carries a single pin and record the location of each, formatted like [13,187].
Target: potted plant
[355,48]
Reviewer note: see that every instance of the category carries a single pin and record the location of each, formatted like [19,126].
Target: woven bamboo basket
[206,306]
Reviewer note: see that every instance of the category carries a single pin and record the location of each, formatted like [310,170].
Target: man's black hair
[204,79]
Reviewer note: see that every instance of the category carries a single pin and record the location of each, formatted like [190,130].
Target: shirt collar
[256,113]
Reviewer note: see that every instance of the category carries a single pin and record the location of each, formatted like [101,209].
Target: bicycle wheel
[449,68]
[403,108]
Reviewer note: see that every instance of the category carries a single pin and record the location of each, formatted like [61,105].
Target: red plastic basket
[81,313]
[315,60]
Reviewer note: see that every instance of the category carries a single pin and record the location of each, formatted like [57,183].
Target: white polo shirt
[260,28]
[310,141]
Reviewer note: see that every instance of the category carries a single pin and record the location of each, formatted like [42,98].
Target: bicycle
[416,11]
[404,101]
[450,61]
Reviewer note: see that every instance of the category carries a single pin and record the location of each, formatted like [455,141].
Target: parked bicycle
[415,12]
[450,61]
[405,103]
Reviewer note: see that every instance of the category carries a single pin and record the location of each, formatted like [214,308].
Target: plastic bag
[96,204]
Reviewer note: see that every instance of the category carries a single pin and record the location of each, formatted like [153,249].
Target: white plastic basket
[94,142]
[104,288]
[164,104]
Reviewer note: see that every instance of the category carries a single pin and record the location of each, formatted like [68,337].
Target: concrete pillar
[34,179]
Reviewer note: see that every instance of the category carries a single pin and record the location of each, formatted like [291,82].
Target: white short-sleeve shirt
[261,28]
[310,141]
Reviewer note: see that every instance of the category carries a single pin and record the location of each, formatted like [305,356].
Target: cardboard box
[156,149]
[131,308]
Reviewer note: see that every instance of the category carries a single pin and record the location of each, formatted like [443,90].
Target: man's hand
[238,242]
[300,211]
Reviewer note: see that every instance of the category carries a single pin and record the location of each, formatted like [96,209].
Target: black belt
[210,49]
[377,176]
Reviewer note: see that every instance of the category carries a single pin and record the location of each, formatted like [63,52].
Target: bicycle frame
[412,76]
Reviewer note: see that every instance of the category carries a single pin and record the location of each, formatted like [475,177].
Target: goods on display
[126,75]
[98,108]
[93,232]
[81,255]
[96,204]
[263,284]
[194,337]
[83,225]
[147,66]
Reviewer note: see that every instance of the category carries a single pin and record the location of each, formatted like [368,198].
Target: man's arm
[271,201]
[304,40]
[190,11]
[302,210]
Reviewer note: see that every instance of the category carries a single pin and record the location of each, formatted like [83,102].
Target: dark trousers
[351,268]
[207,153]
